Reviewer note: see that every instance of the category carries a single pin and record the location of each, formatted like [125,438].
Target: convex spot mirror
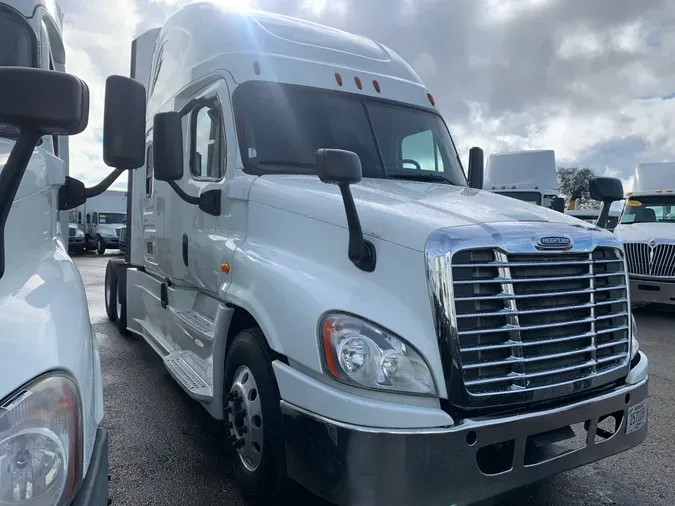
[605,189]
[337,166]
[124,123]
[43,101]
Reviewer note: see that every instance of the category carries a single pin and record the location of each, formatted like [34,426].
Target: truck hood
[401,212]
[645,232]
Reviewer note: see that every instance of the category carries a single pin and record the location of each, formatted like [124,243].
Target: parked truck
[306,256]
[647,230]
[529,176]
[592,215]
[102,218]
[53,449]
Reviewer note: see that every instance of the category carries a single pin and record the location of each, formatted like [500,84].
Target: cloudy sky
[592,79]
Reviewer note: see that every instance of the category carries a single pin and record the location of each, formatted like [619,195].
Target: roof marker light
[256,67]
[431,99]
[377,86]
[338,78]
[358,82]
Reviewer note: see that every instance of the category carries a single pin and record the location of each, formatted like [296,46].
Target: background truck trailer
[305,255]
[529,176]
[102,218]
[647,230]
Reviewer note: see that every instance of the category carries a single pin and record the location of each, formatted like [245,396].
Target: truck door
[204,247]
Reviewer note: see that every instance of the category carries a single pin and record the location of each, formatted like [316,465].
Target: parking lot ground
[166,450]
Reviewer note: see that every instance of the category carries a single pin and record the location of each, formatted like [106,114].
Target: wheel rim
[245,419]
[118,304]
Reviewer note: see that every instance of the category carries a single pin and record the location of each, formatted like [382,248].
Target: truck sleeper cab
[53,449]
[384,339]
[647,229]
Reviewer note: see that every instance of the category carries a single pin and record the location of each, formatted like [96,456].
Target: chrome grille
[118,232]
[533,321]
[645,260]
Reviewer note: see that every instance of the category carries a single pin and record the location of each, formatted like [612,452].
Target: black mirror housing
[43,101]
[605,189]
[476,168]
[337,166]
[124,123]
[559,204]
[167,146]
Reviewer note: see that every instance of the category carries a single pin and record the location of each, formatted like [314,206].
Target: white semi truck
[102,218]
[529,176]
[306,256]
[53,449]
[647,230]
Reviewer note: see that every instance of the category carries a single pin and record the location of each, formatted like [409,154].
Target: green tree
[573,184]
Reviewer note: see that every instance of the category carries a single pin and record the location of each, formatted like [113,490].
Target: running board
[194,323]
[192,373]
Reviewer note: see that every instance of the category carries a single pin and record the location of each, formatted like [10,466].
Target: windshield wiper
[421,176]
[304,165]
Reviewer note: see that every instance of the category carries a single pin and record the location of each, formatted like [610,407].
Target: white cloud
[583,78]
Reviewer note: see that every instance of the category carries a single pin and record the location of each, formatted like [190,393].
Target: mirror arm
[10,179]
[361,251]
[187,198]
[103,185]
[604,214]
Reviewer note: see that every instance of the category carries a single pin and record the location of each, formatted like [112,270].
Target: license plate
[637,417]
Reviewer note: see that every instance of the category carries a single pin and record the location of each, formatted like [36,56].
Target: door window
[208,150]
[149,172]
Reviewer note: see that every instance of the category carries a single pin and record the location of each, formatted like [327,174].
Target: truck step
[193,373]
[195,323]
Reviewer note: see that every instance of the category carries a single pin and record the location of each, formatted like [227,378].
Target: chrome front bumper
[652,291]
[358,466]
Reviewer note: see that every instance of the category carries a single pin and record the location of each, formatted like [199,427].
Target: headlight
[635,344]
[107,233]
[41,444]
[362,354]
[79,233]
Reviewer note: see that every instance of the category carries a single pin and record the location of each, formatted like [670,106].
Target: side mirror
[35,103]
[167,146]
[559,204]
[343,168]
[606,190]
[476,168]
[337,166]
[124,123]
[43,102]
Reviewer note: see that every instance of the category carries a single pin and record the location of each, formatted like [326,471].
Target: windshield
[282,126]
[112,218]
[530,197]
[649,209]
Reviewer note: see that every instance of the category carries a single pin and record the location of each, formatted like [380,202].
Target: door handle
[185,250]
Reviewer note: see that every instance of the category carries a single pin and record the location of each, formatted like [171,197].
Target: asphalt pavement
[166,450]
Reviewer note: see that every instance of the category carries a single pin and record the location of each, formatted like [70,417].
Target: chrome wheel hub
[244,418]
[118,304]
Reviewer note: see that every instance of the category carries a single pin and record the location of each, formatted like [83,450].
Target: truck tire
[260,461]
[100,247]
[109,287]
[121,298]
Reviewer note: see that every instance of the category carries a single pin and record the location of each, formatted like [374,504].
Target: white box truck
[102,218]
[647,230]
[306,256]
[529,176]
[53,449]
